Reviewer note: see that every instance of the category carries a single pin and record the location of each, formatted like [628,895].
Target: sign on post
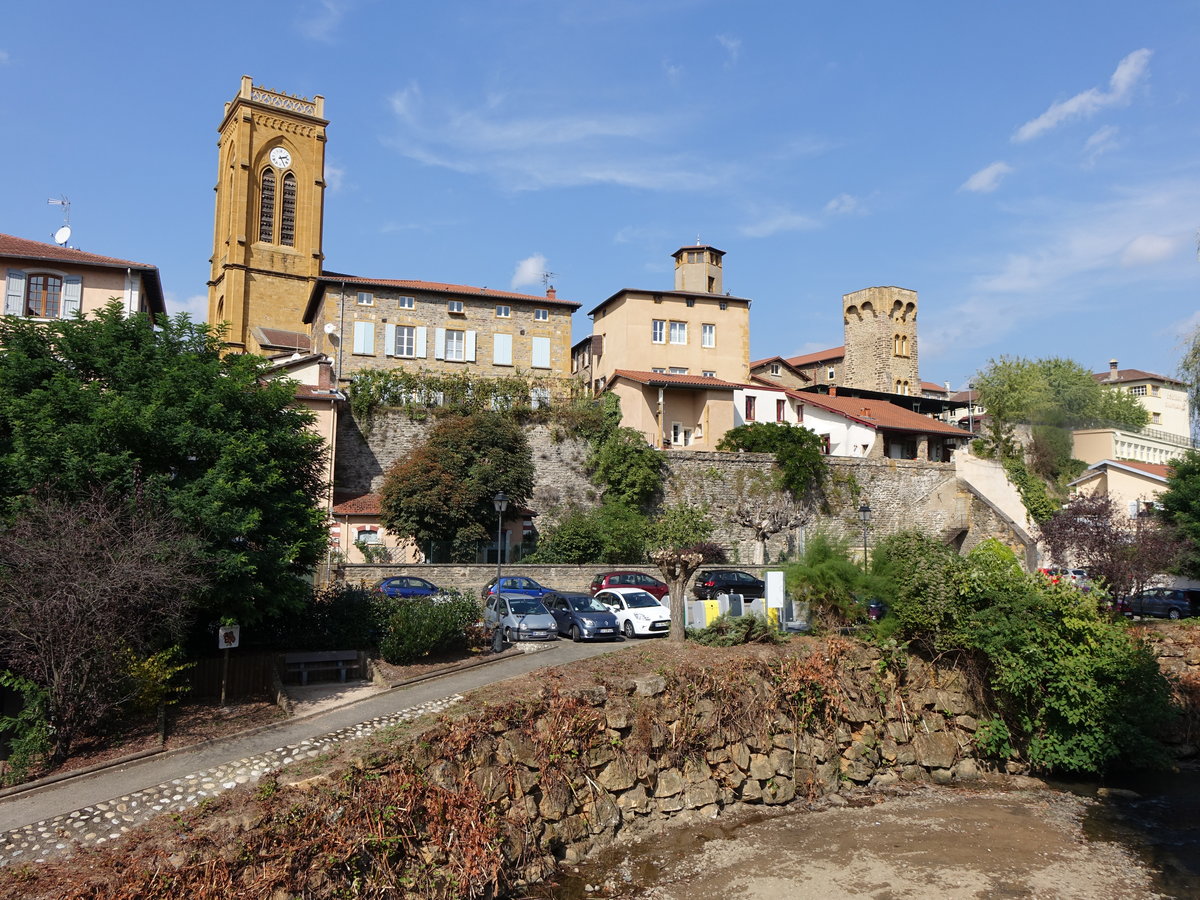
[227,636]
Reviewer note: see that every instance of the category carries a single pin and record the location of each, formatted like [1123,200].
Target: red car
[638,580]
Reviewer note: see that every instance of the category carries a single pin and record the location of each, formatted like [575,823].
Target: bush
[28,731]
[612,534]
[730,631]
[835,585]
[420,627]
[338,616]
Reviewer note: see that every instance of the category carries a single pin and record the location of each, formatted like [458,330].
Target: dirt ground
[957,844]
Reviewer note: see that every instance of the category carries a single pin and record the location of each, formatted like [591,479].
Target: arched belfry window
[287,212]
[266,207]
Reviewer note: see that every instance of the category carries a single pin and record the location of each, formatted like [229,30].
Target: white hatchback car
[637,611]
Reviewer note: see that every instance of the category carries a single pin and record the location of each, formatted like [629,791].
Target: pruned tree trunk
[677,567]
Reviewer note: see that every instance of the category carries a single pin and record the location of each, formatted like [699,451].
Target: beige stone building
[364,323]
[1133,487]
[1165,399]
[51,281]
[270,204]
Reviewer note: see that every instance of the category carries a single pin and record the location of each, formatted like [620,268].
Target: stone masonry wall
[644,748]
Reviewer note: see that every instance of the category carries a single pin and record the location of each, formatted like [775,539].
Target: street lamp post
[500,501]
[864,516]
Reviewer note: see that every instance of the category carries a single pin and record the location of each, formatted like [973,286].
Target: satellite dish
[62,235]
[330,328]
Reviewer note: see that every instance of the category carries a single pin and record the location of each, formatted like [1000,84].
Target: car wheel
[1172,614]
[628,628]
[575,635]
[507,636]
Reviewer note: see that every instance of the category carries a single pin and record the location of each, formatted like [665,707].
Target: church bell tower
[270,205]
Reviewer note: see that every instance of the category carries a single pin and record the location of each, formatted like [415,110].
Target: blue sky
[1029,168]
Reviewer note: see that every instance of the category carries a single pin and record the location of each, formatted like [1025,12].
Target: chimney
[1112,370]
[551,294]
[866,412]
[833,390]
[947,384]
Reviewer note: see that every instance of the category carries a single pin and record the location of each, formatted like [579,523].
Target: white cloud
[776,221]
[321,22]
[529,271]
[4,57]
[335,176]
[733,48]
[1130,71]
[843,205]
[527,150]
[1147,249]
[196,306]
[672,71]
[986,179]
[1100,143]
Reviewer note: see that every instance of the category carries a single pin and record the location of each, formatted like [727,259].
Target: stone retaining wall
[628,752]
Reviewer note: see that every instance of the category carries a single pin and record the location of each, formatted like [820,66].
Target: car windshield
[586,604]
[639,600]
[526,606]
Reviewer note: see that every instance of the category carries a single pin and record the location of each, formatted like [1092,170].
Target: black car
[1164,603]
[711,582]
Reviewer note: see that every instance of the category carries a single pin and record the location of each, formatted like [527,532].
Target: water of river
[1128,840]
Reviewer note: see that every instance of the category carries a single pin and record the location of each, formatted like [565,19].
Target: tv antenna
[64,233]
[548,277]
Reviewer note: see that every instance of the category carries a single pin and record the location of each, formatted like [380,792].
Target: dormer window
[774,368]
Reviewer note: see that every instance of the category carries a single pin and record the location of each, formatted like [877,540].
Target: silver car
[520,617]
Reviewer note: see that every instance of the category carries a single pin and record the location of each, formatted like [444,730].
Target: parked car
[582,616]
[637,611]
[876,610]
[1077,577]
[406,586]
[518,584]
[645,582]
[519,617]
[710,582]
[1168,603]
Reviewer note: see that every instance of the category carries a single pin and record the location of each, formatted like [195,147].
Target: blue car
[518,584]
[582,616]
[407,586]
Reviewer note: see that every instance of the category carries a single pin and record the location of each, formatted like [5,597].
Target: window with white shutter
[540,353]
[364,338]
[502,350]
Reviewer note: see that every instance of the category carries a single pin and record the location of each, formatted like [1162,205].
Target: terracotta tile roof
[665,380]
[438,287]
[15,246]
[312,392]
[820,356]
[881,414]
[933,387]
[1125,375]
[687,295]
[965,396]
[1154,469]
[278,339]
[346,503]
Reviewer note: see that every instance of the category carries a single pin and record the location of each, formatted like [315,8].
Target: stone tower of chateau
[698,269]
[881,340]
[270,205]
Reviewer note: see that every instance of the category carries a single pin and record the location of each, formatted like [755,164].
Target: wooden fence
[250,675]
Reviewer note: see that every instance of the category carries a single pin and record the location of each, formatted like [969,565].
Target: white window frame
[455,307]
[366,298]
[456,345]
[709,374]
[658,331]
[708,335]
[406,302]
[678,332]
[541,315]
[677,370]
[503,312]
[405,344]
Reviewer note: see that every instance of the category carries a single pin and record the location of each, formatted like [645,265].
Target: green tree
[612,534]
[130,405]
[628,469]
[1189,372]
[1179,504]
[797,451]
[443,490]
[678,542]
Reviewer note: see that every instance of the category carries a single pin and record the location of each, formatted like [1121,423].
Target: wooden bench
[340,661]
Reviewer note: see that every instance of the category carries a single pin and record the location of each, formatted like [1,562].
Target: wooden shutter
[502,350]
[14,293]
[419,350]
[540,353]
[72,295]
[469,355]
[439,343]
[364,337]
[389,339]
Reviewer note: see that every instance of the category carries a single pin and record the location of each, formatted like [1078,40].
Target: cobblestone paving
[112,818]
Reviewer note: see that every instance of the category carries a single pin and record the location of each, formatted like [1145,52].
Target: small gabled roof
[430,287]
[933,387]
[1153,471]
[759,363]
[661,379]
[1127,375]
[809,359]
[279,339]
[348,503]
[12,247]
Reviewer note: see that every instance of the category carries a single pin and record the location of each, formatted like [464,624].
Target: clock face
[280,158]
